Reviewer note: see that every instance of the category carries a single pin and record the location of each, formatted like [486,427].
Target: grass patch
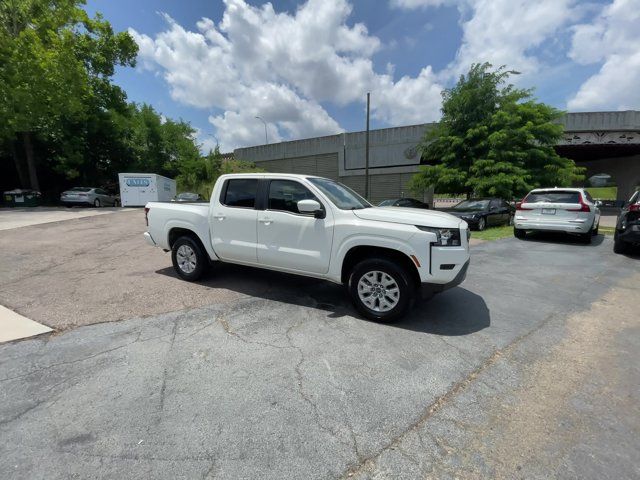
[496,233]
[603,193]
[493,233]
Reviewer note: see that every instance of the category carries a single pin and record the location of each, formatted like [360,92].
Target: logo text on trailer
[137,182]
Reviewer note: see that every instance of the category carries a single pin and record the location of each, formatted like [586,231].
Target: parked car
[570,210]
[403,202]
[628,225]
[480,213]
[89,196]
[187,197]
[319,228]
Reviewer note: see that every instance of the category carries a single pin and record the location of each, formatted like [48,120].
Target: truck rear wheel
[189,259]
[380,290]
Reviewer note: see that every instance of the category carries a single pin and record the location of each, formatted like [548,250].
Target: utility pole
[366,153]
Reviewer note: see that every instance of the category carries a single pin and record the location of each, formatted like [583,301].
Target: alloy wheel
[186,258]
[378,291]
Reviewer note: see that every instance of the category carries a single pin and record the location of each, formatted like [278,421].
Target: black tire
[116,203]
[96,203]
[619,246]
[519,233]
[400,276]
[482,224]
[191,270]
[586,237]
[594,231]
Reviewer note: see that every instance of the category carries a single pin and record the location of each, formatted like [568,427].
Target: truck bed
[165,217]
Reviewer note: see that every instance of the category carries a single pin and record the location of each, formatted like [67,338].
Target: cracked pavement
[528,370]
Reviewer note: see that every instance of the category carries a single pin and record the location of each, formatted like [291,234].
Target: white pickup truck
[316,227]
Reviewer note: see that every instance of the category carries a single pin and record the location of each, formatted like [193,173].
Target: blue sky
[306,66]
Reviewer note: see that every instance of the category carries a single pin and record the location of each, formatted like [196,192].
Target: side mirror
[311,206]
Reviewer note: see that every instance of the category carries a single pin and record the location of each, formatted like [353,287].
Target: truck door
[233,221]
[288,238]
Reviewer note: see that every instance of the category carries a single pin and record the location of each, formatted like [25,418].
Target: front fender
[367,240]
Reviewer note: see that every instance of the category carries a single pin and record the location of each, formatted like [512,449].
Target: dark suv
[628,226]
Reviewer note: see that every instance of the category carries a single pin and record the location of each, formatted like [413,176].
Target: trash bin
[22,198]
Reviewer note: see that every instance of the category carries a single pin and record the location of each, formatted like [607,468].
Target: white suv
[570,210]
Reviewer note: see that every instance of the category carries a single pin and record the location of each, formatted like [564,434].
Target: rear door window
[553,197]
[240,193]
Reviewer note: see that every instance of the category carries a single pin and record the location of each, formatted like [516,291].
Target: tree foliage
[199,175]
[63,121]
[493,140]
[56,63]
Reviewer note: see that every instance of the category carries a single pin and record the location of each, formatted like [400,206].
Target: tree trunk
[31,162]
[18,163]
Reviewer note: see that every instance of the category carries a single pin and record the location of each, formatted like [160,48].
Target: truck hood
[409,216]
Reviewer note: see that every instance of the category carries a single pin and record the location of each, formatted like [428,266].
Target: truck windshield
[342,197]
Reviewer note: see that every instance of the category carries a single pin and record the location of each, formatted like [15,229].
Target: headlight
[445,237]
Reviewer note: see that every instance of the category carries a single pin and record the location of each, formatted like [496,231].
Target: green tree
[493,139]
[199,175]
[55,62]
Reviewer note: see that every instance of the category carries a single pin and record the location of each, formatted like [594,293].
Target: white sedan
[570,210]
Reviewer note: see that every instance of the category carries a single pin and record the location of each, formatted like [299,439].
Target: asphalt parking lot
[529,369]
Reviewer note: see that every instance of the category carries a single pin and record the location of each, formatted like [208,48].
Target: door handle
[220,216]
[266,221]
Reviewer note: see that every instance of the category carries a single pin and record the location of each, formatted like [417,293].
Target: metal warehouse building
[603,142]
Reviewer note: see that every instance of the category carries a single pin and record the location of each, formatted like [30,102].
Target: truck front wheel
[189,260]
[380,289]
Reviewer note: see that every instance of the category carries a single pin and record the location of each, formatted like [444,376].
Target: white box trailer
[136,189]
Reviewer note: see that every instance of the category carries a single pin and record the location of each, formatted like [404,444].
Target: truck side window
[285,195]
[241,192]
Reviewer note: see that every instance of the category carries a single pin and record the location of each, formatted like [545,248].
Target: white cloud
[409,100]
[280,66]
[286,67]
[506,32]
[613,39]
[413,4]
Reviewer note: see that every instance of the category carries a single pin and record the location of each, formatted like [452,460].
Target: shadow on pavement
[454,312]
[562,238]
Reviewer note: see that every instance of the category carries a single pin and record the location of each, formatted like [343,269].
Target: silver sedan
[88,196]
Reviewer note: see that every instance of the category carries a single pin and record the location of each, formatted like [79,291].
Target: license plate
[548,211]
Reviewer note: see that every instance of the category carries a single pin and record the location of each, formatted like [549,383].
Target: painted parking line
[14,326]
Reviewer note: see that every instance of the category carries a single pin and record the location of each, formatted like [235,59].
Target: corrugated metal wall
[381,187]
[321,165]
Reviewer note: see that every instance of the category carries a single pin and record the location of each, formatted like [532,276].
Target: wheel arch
[176,232]
[361,252]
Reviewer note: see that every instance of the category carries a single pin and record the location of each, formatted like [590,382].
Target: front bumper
[427,290]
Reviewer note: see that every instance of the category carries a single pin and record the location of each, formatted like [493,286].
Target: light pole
[266,139]
[366,153]
[216,139]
